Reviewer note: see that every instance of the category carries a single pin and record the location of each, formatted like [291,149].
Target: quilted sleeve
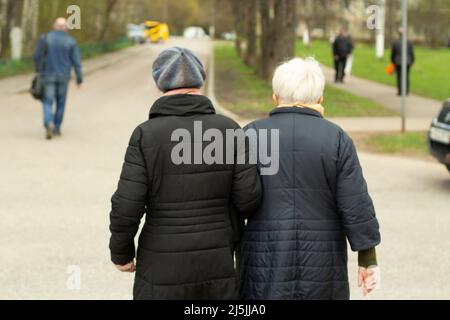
[354,204]
[246,187]
[128,203]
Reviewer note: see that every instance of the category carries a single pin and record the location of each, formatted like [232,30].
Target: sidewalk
[21,83]
[420,110]
[418,107]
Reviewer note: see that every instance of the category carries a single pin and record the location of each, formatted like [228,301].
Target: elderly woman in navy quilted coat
[295,246]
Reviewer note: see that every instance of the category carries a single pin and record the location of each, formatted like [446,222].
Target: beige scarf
[316,107]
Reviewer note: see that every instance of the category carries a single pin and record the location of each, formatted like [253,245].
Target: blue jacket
[294,246]
[62,53]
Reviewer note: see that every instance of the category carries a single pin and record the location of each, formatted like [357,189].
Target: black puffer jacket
[294,247]
[185,249]
[342,47]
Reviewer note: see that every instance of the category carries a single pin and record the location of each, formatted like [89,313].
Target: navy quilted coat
[186,245]
[294,247]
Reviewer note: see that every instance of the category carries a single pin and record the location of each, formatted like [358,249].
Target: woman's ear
[321,100]
[275,99]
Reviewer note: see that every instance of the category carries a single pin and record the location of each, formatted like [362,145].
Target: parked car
[195,33]
[439,136]
[136,33]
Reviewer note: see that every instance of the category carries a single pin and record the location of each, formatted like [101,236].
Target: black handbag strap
[42,54]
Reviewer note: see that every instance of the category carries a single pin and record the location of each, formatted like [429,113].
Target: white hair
[299,81]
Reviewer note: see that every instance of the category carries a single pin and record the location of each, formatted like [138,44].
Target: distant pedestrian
[396,59]
[342,49]
[60,53]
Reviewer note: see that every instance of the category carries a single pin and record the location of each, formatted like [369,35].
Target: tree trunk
[6,26]
[238,24]
[29,24]
[110,4]
[285,13]
[279,25]
[3,15]
[267,39]
[250,54]
[13,19]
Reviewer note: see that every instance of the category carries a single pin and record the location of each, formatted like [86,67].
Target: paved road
[54,196]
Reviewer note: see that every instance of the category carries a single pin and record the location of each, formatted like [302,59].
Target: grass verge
[240,90]
[429,76]
[411,144]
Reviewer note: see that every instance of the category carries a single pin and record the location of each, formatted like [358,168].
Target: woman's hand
[129,267]
[367,279]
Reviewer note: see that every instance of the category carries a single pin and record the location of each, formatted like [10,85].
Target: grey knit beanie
[177,68]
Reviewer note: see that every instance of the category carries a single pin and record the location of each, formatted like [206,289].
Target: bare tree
[278,26]
[432,19]
[267,38]
[3,13]
[286,18]
[250,17]
[238,25]
[29,24]
[13,13]
[110,4]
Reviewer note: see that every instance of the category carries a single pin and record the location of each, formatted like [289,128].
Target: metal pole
[404,62]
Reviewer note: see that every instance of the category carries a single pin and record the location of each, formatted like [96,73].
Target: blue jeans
[55,90]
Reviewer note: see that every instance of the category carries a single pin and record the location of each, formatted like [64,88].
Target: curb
[211,91]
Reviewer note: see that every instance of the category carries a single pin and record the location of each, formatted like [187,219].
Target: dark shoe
[49,132]
[57,133]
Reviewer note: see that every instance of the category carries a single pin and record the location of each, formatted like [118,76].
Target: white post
[16,43]
[306,39]
[381,20]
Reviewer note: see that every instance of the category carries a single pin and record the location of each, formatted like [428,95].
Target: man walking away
[61,53]
[342,49]
[396,58]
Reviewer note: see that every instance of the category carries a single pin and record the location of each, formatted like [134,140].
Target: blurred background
[54,196]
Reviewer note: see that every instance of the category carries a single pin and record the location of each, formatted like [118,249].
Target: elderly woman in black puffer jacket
[186,246]
[294,247]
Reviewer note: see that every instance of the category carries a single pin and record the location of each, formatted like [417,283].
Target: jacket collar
[181,105]
[304,111]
